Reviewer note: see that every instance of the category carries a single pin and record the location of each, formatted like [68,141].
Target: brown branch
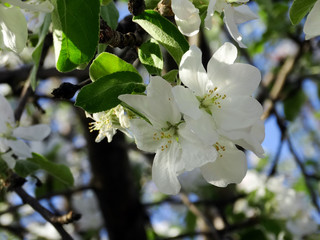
[15,184]
[48,196]
[192,207]
[281,78]
[117,39]
[314,197]
[136,7]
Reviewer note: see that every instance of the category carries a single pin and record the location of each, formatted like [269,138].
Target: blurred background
[113,189]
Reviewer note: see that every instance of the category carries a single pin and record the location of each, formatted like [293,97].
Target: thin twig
[314,197]
[200,215]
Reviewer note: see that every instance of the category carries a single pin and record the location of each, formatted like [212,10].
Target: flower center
[167,135]
[220,148]
[212,98]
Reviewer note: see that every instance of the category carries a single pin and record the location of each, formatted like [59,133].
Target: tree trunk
[113,182]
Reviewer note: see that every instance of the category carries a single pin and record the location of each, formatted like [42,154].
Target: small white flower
[186,16]
[13,24]
[233,14]
[311,27]
[177,148]
[11,144]
[219,102]
[107,123]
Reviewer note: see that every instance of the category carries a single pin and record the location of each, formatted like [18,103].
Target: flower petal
[186,16]
[235,79]
[158,106]
[237,112]
[249,138]
[194,153]
[243,14]
[192,72]
[227,53]
[143,133]
[204,128]
[19,148]
[210,12]
[311,26]
[33,133]
[7,157]
[6,115]
[230,22]
[43,6]
[186,101]
[13,29]
[230,167]
[164,172]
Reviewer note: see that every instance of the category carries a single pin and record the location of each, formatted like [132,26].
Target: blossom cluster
[13,24]
[285,203]
[235,12]
[197,124]
[13,138]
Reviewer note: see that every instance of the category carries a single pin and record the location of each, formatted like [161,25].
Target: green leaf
[107,63]
[102,94]
[76,32]
[24,168]
[110,14]
[36,55]
[299,9]
[164,32]
[150,56]
[59,171]
[171,76]
[105,2]
[293,104]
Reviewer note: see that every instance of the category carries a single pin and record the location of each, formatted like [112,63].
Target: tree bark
[114,186]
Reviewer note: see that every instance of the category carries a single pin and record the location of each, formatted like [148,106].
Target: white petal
[210,12]
[204,128]
[186,16]
[20,148]
[249,138]
[7,157]
[33,133]
[158,106]
[45,6]
[230,167]
[227,53]
[192,72]
[243,14]
[194,152]
[311,27]
[143,133]
[6,115]
[187,102]
[234,80]
[164,172]
[231,25]
[3,145]
[13,29]
[237,112]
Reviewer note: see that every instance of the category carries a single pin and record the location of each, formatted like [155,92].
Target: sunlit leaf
[164,32]
[103,93]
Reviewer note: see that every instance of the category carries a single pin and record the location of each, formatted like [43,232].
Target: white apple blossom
[13,24]
[235,12]
[186,16]
[12,146]
[311,26]
[286,203]
[107,123]
[177,148]
[220,99]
